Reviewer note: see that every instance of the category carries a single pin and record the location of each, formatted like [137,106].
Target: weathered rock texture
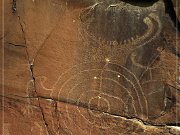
[90,67]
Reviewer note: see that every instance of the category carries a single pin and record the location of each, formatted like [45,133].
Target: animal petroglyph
[121,34]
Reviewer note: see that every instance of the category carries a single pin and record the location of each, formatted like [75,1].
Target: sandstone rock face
[176,6]
[86,67]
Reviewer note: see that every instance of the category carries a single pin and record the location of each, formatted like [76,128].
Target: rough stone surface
[177,9]
[86,67]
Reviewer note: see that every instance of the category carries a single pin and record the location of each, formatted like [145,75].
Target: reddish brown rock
[17,74]
[69,119]
[12,27]
[90,68]
[22,117]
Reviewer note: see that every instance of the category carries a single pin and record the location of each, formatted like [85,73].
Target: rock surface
[86,67]
[176,4]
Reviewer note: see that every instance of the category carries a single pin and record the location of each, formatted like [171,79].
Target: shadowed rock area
[90,67]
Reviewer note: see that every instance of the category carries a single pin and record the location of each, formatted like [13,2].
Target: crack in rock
[14,6]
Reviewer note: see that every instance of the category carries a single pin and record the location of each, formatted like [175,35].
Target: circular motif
[100,91]
[100,101]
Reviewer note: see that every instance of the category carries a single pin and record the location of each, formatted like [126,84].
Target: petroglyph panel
[91,67]
[108,62]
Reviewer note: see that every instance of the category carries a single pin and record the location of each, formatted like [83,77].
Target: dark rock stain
[114,23]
